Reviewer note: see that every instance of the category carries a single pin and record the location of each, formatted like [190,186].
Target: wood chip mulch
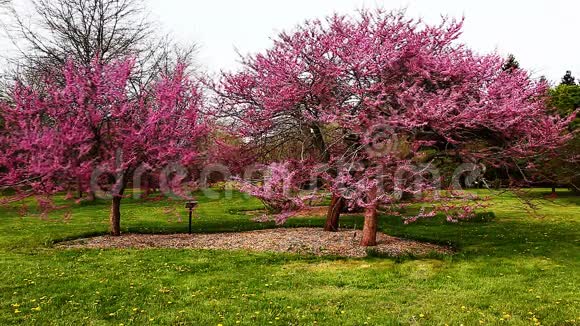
[313,241]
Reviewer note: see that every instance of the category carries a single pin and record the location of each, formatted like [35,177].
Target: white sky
[543,34]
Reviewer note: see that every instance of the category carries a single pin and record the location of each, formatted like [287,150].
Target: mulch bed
[310,241]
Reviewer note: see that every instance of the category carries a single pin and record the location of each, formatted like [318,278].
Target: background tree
[82,30]
[91,129]
[511,63]
[568,79]
[564,168]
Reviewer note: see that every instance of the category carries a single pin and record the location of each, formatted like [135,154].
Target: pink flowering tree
[90,129]
[278,186]
[388,96]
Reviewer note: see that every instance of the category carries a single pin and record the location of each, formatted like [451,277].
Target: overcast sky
[543,34]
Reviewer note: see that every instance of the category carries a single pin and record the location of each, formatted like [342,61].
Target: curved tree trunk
[332,217]
[115,217]
[369,237]
[337,202]
[117,191]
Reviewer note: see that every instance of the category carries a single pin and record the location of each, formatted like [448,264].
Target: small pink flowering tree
[91,127]
[389,96]
[278,186]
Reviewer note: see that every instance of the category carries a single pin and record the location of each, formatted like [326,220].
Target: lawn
[515,269]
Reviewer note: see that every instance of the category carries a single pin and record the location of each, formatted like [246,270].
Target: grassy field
[515,269]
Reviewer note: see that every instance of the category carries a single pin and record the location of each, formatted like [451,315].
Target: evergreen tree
[511,63]
[568,79]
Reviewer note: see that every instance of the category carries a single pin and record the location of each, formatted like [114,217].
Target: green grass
[509,269]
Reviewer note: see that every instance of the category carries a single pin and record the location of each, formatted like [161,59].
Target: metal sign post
[190,205]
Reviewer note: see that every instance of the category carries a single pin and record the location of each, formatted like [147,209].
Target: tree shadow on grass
[484,236]
[525,236]
[512,234]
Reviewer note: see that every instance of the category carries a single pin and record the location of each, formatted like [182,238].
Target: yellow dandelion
[16,311]
[15,305]
[36,308]
[421,315]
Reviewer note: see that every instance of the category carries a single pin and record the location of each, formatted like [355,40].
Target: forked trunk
[333,215]
[115,217]
[369,237]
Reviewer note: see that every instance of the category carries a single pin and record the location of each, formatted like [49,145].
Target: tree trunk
[337,202]
[80,188]
[332,217]
[115,217]
[145,188]
[553,190]
[369,237]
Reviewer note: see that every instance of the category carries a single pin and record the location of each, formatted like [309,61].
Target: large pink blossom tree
[385,97]
[91,128]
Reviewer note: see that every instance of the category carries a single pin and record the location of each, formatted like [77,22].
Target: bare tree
[87,30]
